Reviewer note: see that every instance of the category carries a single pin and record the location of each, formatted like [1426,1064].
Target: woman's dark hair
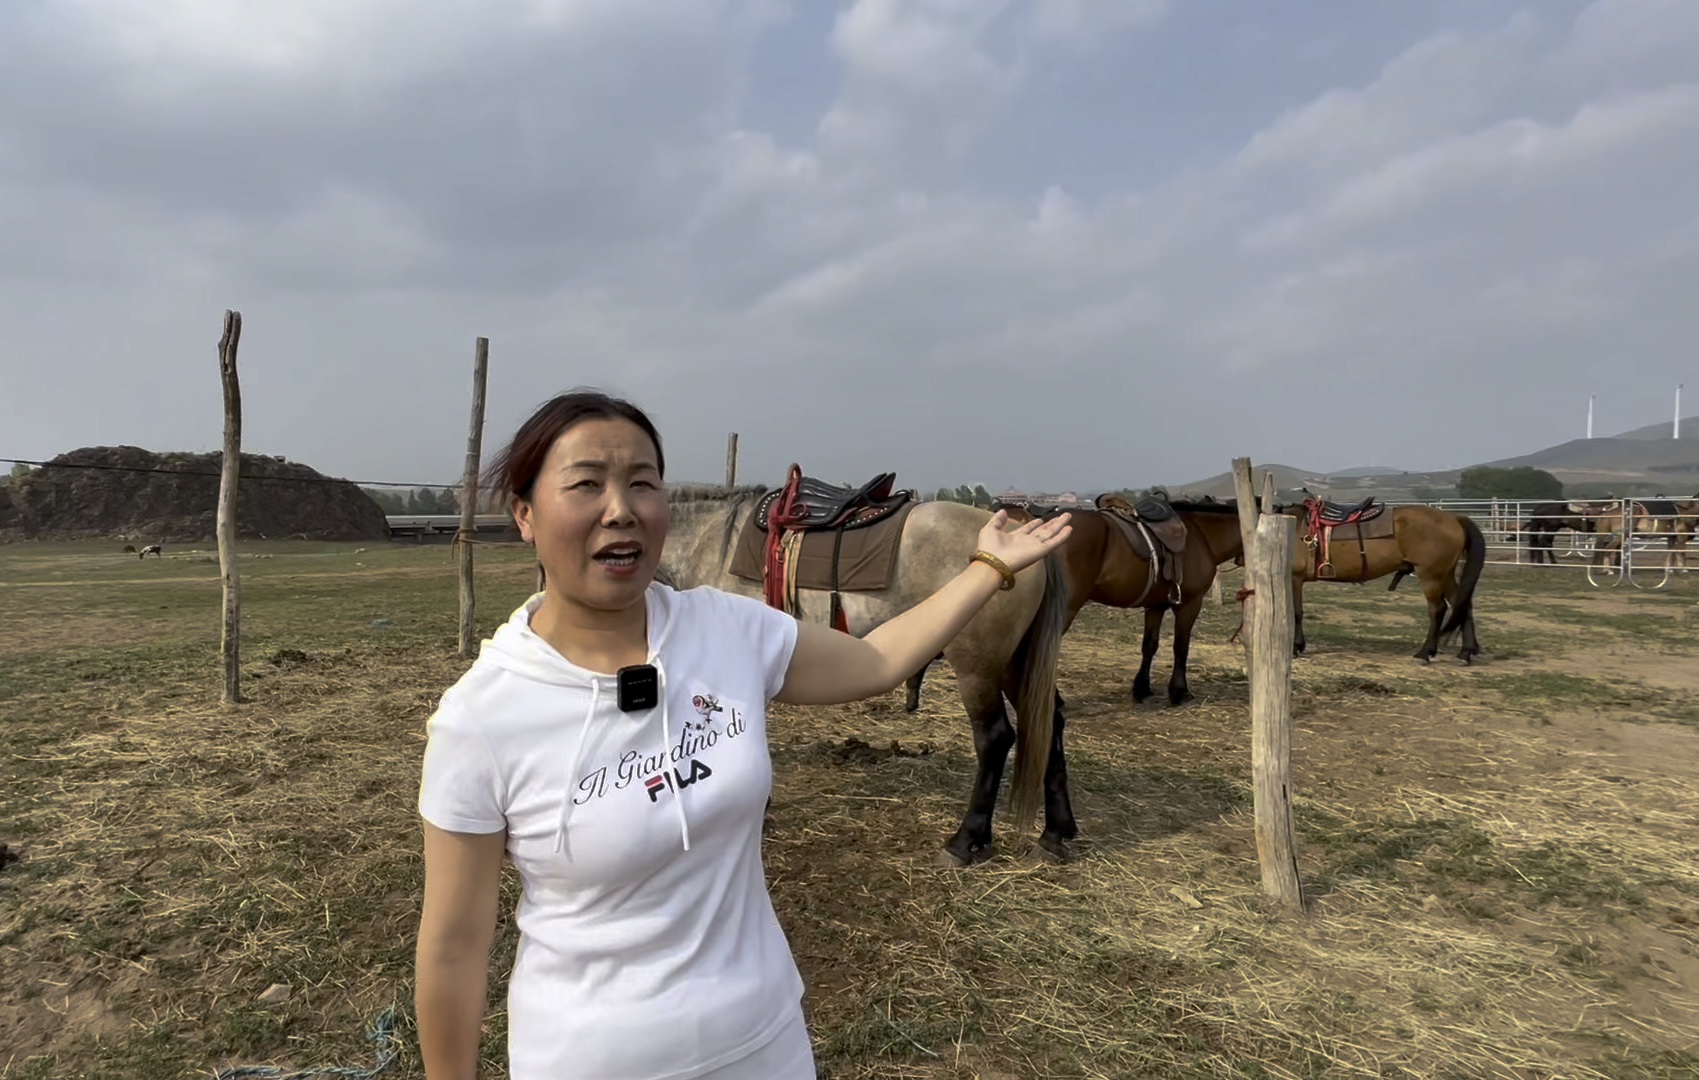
[514,470]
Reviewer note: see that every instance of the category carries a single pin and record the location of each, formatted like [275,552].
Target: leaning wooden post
[230,642]
[731,460]
[469,499]
[1267,632]
[1269,576]
[1244,495]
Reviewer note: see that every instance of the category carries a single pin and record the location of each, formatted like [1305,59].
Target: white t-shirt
[648,944]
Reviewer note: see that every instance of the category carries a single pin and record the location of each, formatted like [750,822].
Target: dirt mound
[127,493]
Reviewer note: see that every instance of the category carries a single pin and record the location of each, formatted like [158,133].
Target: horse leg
[1185,617]
[1059,824]
[1147,652]
[1471,645]
[993,738]
[1297,616]
[914,681]
[1434,589]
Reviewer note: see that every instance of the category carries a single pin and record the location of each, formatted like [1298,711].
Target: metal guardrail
[428,526]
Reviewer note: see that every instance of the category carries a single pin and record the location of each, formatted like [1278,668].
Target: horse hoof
[1056,847]
[951,859]
[1176,700]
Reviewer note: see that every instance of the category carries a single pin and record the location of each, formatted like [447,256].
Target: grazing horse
[1676,520]
[1009,647]
[1104,565]
[1545,520]
[155,550]
[1365,541]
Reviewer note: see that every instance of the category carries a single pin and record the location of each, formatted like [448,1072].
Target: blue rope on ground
[381,1033]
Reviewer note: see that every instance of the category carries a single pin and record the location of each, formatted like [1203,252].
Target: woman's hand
[1020,548]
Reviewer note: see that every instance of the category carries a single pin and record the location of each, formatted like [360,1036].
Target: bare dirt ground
[1498,857]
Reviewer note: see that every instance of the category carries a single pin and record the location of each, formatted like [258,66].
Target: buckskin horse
[857,556]
[1364,541]
[1154,553]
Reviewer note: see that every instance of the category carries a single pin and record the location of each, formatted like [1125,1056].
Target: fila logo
[662,781]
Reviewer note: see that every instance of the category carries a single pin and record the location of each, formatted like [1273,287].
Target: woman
[611,740]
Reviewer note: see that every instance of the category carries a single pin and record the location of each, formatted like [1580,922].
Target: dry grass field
[1501,857]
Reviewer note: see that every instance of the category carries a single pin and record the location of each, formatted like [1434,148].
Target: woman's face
[598,514]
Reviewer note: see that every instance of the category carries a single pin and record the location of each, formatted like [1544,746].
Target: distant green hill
[1644,461]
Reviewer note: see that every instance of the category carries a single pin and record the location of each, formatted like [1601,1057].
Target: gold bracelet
[998,565]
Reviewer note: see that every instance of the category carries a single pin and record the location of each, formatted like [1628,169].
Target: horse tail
[1035,697]
[1475,557]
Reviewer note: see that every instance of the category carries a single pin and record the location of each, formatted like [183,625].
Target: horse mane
[695,493]
[733,497]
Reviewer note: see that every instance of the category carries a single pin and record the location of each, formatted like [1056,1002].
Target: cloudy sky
[1048,243]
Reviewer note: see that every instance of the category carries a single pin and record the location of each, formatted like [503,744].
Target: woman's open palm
[1021,547]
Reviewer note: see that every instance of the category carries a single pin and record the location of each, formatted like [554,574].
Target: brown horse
[1676,520]
[1008,648]
[1370,541]
[1102,565]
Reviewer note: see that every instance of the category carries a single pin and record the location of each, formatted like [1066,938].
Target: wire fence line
[1639,540]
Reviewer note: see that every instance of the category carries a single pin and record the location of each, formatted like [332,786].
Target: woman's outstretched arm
[828,667]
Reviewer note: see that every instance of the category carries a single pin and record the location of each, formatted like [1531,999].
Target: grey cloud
[1403,240]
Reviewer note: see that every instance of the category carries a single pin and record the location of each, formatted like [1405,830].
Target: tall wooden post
[230,641]
[469,499]
[1270,623]
[1269,539]
[731,460]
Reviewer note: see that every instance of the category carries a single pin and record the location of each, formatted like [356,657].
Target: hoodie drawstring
[666,750]
[566,802]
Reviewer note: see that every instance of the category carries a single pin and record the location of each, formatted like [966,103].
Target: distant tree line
[1522,482]
[970,496]
[417,501]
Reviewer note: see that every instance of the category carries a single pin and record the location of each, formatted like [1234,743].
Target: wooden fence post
[469,500]
[230,641]
[1269,539]
[731,461]
[1269,573]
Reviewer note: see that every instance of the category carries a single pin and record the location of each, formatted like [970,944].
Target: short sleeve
[771,633]
[460,788]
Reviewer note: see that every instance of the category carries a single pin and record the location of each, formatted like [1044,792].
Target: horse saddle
[1363,518]
[1151,516]
[1332,513]
[816,505]
[813,535]
[1154,513]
